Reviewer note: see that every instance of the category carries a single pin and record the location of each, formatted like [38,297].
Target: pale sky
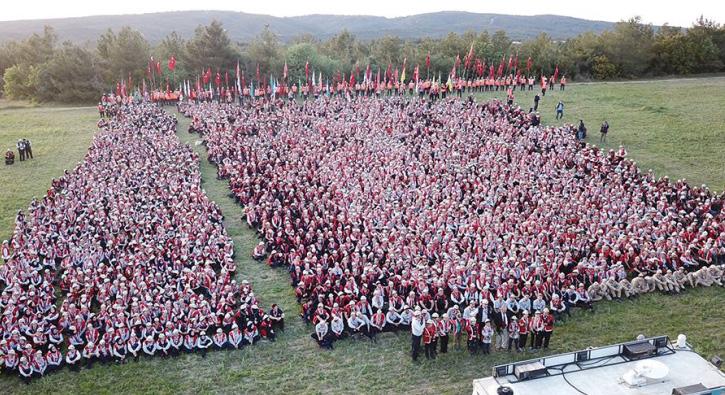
[680,13]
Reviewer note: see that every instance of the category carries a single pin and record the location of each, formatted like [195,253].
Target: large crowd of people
[440,216]
[125,256]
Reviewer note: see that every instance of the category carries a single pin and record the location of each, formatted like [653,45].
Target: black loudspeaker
[501,371]
[639,350]
[690,389]
[582,356]
[717,361]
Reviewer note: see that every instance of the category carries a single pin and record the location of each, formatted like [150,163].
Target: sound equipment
[690,389]
[634,351]
[529,370]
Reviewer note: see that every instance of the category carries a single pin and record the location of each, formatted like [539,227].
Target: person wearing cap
[337,327]
[163,345]
[523,324]
[473,332]
[191,340]
[548,321]
[393,319]
[54,358]
[235,336]
[486,337]
[444,328]
[6,254]
[90,354]
[417,327]
[429,337]
[584,300]
[39,364]
[539,303]
[203,343]
[133,345]
[513,333]
[220,339]
[321,335]
[149,346]
[251,333]
[537,329]
[377,323]
[25,369]
[558,307]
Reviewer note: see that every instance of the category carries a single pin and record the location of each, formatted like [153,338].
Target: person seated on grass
[9,157]
[259,252]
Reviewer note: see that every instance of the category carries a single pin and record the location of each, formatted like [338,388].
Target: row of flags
[473,67]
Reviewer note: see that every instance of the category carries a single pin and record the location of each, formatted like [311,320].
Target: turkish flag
[172,63]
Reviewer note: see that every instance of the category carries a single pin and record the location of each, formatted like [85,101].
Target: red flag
[511,62]
[218,79]
[284,71]
[490,72]
[352,78]
[259,79]
[389,72]
[226,79]
[377,78]
[456,63]
[528,64]
[368,73]
[357,70]
[427,61]
[556,73]
[415,73]
[172,63]
[158,68]
[468,58]
[206,76]
[307,71]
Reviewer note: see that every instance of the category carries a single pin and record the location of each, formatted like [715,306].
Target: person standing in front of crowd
[444,328]
[604,130]
[548,320]
[486,337]
[560,110]
[581,132]
[429,337]
[562,83]
[21,149]
[416,327]
[28,149]
[524,324]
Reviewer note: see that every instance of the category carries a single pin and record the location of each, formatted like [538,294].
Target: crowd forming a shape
[383,209]
[124,256]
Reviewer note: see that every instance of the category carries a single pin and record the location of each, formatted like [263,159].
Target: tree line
[42,69]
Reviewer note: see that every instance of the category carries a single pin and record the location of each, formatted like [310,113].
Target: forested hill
[243,27]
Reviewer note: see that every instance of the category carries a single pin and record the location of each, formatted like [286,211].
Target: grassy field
[59,137]
[294,363]
[674,127]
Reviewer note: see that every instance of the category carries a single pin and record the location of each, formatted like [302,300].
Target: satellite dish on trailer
[652,370]
[646,372]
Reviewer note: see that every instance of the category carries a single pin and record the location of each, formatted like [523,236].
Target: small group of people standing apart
[25,151]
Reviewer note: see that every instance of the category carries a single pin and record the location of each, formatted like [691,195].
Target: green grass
[674,127]
[59,136]
[295,363]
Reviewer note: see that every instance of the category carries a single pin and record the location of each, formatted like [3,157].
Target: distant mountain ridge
[243,26]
